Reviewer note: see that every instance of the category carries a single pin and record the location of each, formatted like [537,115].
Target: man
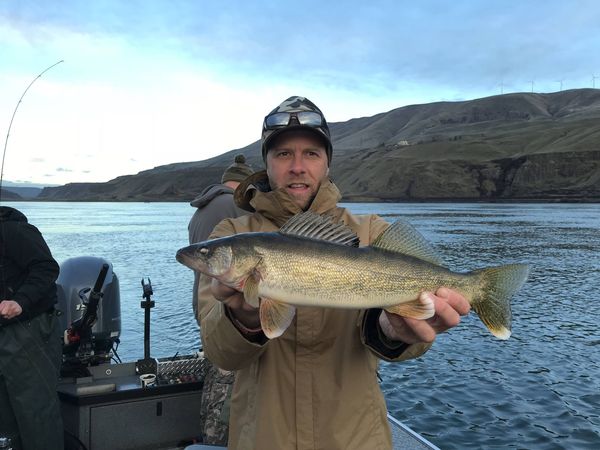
[316,385]
[30,337]
[214,204]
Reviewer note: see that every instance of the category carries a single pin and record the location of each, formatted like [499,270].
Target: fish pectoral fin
[419,308]
[275,317]
[251,291]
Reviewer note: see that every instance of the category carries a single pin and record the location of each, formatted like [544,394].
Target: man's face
[297,163]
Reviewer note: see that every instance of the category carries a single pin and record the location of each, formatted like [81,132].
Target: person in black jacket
[30,337]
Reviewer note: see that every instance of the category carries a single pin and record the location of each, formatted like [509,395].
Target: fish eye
[204,250]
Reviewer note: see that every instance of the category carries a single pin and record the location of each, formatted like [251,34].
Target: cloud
[389,45]
[380,45]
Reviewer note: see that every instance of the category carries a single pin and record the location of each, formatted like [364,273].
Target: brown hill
[8,195]
[509,147]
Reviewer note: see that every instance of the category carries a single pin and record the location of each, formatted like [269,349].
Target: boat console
[113,409]
[150,403]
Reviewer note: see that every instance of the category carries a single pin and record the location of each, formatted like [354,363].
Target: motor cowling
[74,284]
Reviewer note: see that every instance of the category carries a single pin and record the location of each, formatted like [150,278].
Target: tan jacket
[315,387]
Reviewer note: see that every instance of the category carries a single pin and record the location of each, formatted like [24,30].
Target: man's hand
[449,307]
[9,309]
[247,315]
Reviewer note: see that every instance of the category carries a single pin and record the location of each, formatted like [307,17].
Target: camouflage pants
[216,395]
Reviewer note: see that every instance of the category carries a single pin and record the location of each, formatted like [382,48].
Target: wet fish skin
[287,270]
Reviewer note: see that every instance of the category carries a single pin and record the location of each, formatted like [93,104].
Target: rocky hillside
[508,147]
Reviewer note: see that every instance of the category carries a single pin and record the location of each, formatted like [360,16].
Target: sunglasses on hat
[283,119]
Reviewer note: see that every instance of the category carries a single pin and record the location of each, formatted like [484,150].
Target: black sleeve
[28,250]
[375,338]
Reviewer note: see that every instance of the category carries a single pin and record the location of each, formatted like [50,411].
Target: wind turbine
[594,80]
[532,83]
[501,87]
[561,82]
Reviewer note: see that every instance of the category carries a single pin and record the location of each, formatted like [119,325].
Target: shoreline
[591,200]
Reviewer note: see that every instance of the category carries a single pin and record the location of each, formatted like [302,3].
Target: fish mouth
[185,257]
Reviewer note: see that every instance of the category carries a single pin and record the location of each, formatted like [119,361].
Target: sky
[148,83]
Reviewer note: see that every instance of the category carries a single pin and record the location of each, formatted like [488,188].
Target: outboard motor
[89,297]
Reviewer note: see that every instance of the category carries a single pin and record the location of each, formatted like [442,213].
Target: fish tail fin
[492,303]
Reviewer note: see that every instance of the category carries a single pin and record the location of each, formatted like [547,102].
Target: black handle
[101,278]
[84,325]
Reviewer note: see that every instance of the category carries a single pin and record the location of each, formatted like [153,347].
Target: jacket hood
[209,193]
[255,195]
[258,181]
[9,214]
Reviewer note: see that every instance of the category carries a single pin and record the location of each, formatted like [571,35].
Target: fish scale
[334,276]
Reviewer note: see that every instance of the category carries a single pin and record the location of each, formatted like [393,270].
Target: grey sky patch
[460,45]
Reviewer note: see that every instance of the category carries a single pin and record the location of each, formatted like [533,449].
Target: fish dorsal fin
[316,226]
[402,237]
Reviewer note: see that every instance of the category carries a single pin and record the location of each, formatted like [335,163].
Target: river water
[538,390]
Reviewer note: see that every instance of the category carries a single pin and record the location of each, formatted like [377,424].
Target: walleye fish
[312,261]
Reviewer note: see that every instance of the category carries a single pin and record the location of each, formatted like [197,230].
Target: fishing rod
[13,118]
